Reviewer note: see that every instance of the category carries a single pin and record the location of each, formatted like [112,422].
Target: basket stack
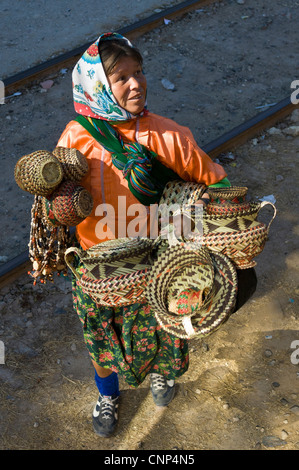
[192,285]
[228,224]
[60,202]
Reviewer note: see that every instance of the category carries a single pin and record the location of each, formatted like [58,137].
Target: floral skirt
[128,340]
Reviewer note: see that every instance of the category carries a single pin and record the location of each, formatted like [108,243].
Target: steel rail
[68,59]
[229,141]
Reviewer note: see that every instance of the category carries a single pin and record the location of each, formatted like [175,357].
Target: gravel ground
[241,391]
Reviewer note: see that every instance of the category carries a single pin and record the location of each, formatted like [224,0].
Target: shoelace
[107,407]
[158,382]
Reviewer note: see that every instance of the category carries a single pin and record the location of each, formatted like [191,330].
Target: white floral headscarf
[91,91]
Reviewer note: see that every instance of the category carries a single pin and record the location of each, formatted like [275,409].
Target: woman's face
[128,85]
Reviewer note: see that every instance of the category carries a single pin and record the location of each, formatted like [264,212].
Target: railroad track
[224,143]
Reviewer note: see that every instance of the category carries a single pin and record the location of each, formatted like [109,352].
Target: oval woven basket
[241,247]
[229,195]
[237,233]
[38,173]
[114,272]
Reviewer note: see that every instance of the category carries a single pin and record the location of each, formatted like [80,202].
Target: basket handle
[69,256]
[265,203]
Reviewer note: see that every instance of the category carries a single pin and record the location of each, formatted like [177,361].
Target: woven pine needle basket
[69,205]
[114,272]
[229,222]
[38,173]
[231,226]
[73,162]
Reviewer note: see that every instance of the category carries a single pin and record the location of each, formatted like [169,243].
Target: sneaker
[162,389]
[105,414]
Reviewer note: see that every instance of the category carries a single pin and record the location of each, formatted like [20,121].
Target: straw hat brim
[212,274]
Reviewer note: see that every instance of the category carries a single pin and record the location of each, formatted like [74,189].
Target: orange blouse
[116,212]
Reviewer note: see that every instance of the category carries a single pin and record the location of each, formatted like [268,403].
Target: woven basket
[237,233]
[178,192]
[230,195]
[38,173]
[73,162]
[115,272]
[69,205]
[229,222]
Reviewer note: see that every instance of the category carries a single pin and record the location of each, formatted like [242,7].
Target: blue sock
[107,386]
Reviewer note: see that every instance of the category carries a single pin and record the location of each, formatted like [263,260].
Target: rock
[295,409]
[47,84]
[167,84]
[274,131]
[272,441]
[284,402]
[284,435]
[268,353]
[295,116]
[279,178]
[292,130]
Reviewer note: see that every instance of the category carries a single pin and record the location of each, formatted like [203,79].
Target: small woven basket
[115,272]
[235,232]
[73,162]
[230,195]
[38,173]
[69,205]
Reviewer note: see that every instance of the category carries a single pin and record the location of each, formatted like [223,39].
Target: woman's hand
[182,223]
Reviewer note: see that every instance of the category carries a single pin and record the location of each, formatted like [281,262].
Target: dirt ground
[241,391]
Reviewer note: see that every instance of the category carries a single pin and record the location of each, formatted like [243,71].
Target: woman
[132,153]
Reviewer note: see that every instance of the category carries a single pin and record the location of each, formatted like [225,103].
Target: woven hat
[191,290]
[115,271]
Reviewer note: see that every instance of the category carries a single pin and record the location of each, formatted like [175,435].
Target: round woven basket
[38,173]
[230,195]
[73,162]
[115,272]
[69,205]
